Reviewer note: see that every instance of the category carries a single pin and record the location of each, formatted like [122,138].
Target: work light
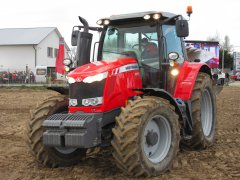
[156,16]
[106,22]
[146,17]
[100,22]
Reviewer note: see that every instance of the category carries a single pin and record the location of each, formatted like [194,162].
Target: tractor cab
[149,37]
[153,39]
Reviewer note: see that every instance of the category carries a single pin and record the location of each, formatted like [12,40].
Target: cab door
[172,43]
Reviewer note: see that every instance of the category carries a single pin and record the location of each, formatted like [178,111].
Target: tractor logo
[115,71]
[79,79]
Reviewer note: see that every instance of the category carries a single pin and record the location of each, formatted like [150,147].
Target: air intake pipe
[84,43]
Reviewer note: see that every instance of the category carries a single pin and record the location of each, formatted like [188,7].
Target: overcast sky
[209,16]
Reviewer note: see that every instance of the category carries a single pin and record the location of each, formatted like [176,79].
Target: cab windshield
[139,42]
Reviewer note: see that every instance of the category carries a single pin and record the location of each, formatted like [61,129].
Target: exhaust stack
[84,43]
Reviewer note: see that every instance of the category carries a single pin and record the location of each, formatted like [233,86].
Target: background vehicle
[232,76]
[220,76]
[207,52]
[141,97]
[237,76]
[46,74]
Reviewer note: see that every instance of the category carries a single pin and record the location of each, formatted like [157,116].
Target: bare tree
[226,44]
[215,37]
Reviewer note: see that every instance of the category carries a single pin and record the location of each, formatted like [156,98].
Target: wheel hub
[157,138]
[151,138]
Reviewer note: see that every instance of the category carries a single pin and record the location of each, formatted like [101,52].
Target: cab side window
[173,42]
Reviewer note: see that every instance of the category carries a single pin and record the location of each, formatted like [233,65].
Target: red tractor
[142,97]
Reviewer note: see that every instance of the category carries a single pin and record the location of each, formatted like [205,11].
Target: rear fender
[187,77]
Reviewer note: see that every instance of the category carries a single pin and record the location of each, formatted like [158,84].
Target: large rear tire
[146,137]
[203,113]
[50,156]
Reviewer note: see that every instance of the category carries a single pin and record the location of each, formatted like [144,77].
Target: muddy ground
[222,161]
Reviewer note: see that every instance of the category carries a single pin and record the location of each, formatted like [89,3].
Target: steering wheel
[139,45]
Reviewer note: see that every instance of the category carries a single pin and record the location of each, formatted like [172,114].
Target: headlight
[73,102]
[92,101]
[98,77]
[71,80]
[86,102]
[67,62]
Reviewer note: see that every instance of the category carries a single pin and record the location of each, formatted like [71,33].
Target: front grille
[81,90]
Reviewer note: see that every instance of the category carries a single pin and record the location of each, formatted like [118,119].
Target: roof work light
[156,16]
[103,22]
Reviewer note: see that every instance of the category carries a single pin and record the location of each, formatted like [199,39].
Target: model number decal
[125,68]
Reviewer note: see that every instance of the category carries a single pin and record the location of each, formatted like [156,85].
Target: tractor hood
[96,71]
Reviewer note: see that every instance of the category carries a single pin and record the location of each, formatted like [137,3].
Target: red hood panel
[94,68]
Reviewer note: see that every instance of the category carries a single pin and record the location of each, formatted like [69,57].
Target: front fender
[163,94]
[187,77]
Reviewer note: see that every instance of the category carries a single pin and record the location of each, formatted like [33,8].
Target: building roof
[200,41]
[26,36]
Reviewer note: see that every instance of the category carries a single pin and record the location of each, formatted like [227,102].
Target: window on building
[50,52]
[41,72]
[55,52]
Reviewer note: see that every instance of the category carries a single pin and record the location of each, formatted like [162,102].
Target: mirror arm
[99,29]
[169,19]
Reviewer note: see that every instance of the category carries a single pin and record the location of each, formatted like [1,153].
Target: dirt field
[222,161]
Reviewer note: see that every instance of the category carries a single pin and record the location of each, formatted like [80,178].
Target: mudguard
[163,94]
[187,77]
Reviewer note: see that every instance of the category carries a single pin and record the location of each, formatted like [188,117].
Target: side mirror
[74,39]
[182,28]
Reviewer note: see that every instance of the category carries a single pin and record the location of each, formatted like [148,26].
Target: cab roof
[139,15]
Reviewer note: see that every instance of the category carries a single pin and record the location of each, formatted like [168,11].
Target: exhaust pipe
[85,24]
[84,43]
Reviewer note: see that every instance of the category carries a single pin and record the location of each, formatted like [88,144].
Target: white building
[29,47]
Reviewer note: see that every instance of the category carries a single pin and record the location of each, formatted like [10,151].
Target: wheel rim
[65,150]
[206,112]
[157,139]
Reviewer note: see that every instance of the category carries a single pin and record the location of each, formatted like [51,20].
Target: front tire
[50,156]
[146,137]
[203,113]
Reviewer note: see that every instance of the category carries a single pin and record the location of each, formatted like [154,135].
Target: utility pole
[223,60]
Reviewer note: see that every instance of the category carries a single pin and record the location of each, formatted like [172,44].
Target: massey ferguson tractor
[142,97]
